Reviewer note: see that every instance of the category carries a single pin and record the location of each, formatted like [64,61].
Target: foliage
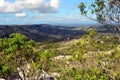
[103,11]
[98,57]
[85,74]
[15,51]
[92,57]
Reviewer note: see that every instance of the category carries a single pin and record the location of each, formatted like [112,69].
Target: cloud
[65,18]
[41,6]
[21,14]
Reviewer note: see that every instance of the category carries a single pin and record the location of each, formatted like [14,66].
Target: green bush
[14,52]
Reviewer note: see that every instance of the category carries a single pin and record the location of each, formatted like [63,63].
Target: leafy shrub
[15,51]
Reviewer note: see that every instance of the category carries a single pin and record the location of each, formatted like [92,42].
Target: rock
[61,57]
[75,64]
[45,76]
[55,74]
[16,76]
[2,79]
[21,73]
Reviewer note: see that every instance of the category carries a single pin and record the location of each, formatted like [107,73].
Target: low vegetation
[92,57]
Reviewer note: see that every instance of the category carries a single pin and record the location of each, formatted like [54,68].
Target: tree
[106,12]
[15,52]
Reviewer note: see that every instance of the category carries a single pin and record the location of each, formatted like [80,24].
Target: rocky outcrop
[23,74]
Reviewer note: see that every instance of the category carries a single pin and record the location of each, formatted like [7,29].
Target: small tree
[15,52]
[103,11]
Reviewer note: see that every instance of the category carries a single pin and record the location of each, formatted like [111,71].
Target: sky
[41,12]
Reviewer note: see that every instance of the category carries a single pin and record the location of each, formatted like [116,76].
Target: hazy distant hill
[42,32]
[47,32]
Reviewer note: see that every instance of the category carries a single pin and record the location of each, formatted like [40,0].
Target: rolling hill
[45,32]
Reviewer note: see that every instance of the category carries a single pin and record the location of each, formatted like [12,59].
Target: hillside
[86,58]
[41,32]
[90,57]
[45,32]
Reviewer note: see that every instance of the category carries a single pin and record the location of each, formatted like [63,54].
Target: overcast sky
[41,12]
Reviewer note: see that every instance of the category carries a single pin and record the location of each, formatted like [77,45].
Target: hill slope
[91,57]
[45,32]
[41,32]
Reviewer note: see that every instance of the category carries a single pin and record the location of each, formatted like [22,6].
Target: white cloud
[40,6]
[21,14]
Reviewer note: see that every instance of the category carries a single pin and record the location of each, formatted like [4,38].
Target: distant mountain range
[42,32]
